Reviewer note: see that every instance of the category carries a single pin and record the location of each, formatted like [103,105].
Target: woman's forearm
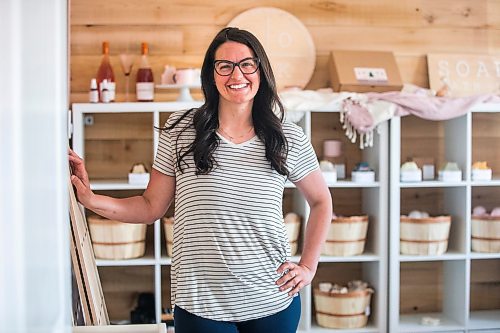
[132,210]
[316,232]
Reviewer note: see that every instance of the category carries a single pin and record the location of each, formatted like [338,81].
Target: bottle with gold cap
[144,82]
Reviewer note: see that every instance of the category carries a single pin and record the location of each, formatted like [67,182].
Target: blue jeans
[285,321]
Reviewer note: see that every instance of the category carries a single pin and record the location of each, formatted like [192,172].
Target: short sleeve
[165,155]
[301,159]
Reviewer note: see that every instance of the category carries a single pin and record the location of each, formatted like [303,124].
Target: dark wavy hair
[267,124]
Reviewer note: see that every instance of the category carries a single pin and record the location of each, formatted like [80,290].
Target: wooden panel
[113,159]
[339,273]
[327,126]
[84,68]
[287,205]
[488,197]
[421,287]
[122,286]
[429,200]
[422,138]
[485,285]
[486,140]
[399,39]
[492,14]
[166,281]
[120,126]
[347,201]
[468,13]
[162,40]
[413,69]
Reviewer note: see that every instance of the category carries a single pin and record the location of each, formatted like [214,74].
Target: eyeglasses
[226,67]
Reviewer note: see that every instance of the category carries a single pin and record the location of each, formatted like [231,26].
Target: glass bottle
[105,72]
[144,81]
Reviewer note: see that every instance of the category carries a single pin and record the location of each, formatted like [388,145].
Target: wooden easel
[95,313]
[87,276]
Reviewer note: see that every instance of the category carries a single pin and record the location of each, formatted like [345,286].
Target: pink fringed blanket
[362,116]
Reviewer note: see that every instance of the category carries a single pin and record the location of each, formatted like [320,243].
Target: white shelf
[350,184]
[115,184]
[484,319]
[370,328]
[165,261]
[479,255]
[445,256]
[134,107]
[366,257]
[493,182]
[432,183]
[412,323]
[143,261]
[486,107]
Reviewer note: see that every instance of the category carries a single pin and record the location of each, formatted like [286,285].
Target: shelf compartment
[443,141]
[441,201]
[363,201]
[327,126]
[411,324]
[486,140]
[149,256]
[114,142]
[486,196]
[484,294]
[166,282]
[435,289]
[341,273]
[122,286]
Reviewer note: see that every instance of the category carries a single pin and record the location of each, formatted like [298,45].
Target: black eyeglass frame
[234,64]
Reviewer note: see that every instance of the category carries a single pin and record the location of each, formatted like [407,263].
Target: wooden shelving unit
[455,287]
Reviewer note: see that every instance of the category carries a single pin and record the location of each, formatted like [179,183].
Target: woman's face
[237,88]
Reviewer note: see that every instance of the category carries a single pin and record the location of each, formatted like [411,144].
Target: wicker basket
[168,226]
[349,310]
[292,224]
[116,240]
[346,236]
[486,234]
[424,236]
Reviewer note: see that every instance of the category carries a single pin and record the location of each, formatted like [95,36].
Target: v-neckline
[229,142]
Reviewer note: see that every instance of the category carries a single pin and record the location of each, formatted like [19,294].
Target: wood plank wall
[179,32]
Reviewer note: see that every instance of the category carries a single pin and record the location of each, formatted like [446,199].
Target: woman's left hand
[296,277]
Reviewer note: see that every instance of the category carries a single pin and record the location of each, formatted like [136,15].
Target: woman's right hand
[80,178]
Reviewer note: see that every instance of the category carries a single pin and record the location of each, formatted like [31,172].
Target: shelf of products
[122,134]
[448,291]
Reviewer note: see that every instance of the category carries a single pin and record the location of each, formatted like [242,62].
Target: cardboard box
[364,71]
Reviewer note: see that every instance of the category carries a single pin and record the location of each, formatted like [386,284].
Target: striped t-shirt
[229,235]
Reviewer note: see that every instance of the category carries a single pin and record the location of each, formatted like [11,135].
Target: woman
[226,163]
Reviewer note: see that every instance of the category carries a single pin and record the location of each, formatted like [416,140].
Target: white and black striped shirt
[229,235]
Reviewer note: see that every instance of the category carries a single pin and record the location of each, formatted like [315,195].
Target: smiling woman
[226,164]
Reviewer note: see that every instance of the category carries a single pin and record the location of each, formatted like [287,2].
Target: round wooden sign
[287,42]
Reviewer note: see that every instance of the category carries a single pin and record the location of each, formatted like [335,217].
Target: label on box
[370,74]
